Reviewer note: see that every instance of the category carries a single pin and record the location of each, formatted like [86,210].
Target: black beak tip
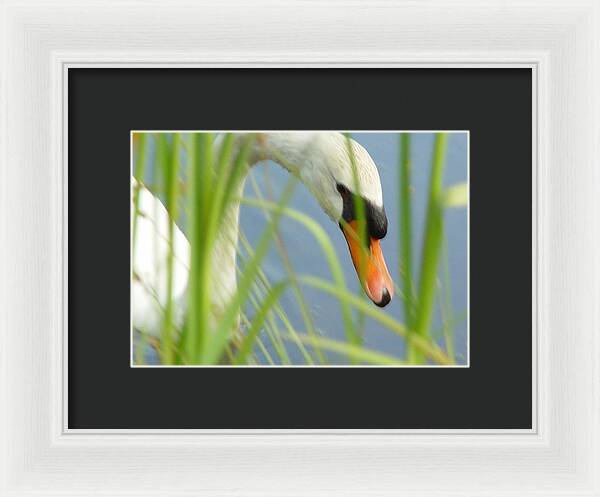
[385,298]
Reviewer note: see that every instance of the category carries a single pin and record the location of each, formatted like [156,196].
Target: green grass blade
[361,231]
[139,144]
[200,179]
[140,151]
[406,237]
[448,318]
[251,335]
[358,354]
[263,350]
[162,165]
[432,244]
[171,177]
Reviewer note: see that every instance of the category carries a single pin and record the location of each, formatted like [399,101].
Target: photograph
[299,248]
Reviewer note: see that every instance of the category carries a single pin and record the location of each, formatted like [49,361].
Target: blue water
[306,257]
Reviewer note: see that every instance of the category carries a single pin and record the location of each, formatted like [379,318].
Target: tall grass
[405,231]
[171,166]
[432,244]
[291,274]
[199,177]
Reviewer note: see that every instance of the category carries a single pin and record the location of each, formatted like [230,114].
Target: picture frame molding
[559,456]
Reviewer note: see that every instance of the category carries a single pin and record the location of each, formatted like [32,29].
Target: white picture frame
[559,40]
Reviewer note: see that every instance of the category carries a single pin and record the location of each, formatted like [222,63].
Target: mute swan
[321,162]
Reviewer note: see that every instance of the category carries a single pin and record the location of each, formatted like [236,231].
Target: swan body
[149,280]
[321,162]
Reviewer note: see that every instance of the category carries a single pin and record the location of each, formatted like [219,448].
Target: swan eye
[376,217]
[342,190]
[348,203]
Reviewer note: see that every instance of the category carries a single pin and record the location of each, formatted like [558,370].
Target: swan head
[323,162]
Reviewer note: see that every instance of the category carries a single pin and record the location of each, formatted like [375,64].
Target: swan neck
[285,149]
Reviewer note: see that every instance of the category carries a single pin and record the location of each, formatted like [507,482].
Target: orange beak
[370,266]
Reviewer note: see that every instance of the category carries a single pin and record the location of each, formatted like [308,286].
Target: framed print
[322,250]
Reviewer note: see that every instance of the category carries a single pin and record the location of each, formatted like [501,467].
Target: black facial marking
[376,220]
[375,216]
